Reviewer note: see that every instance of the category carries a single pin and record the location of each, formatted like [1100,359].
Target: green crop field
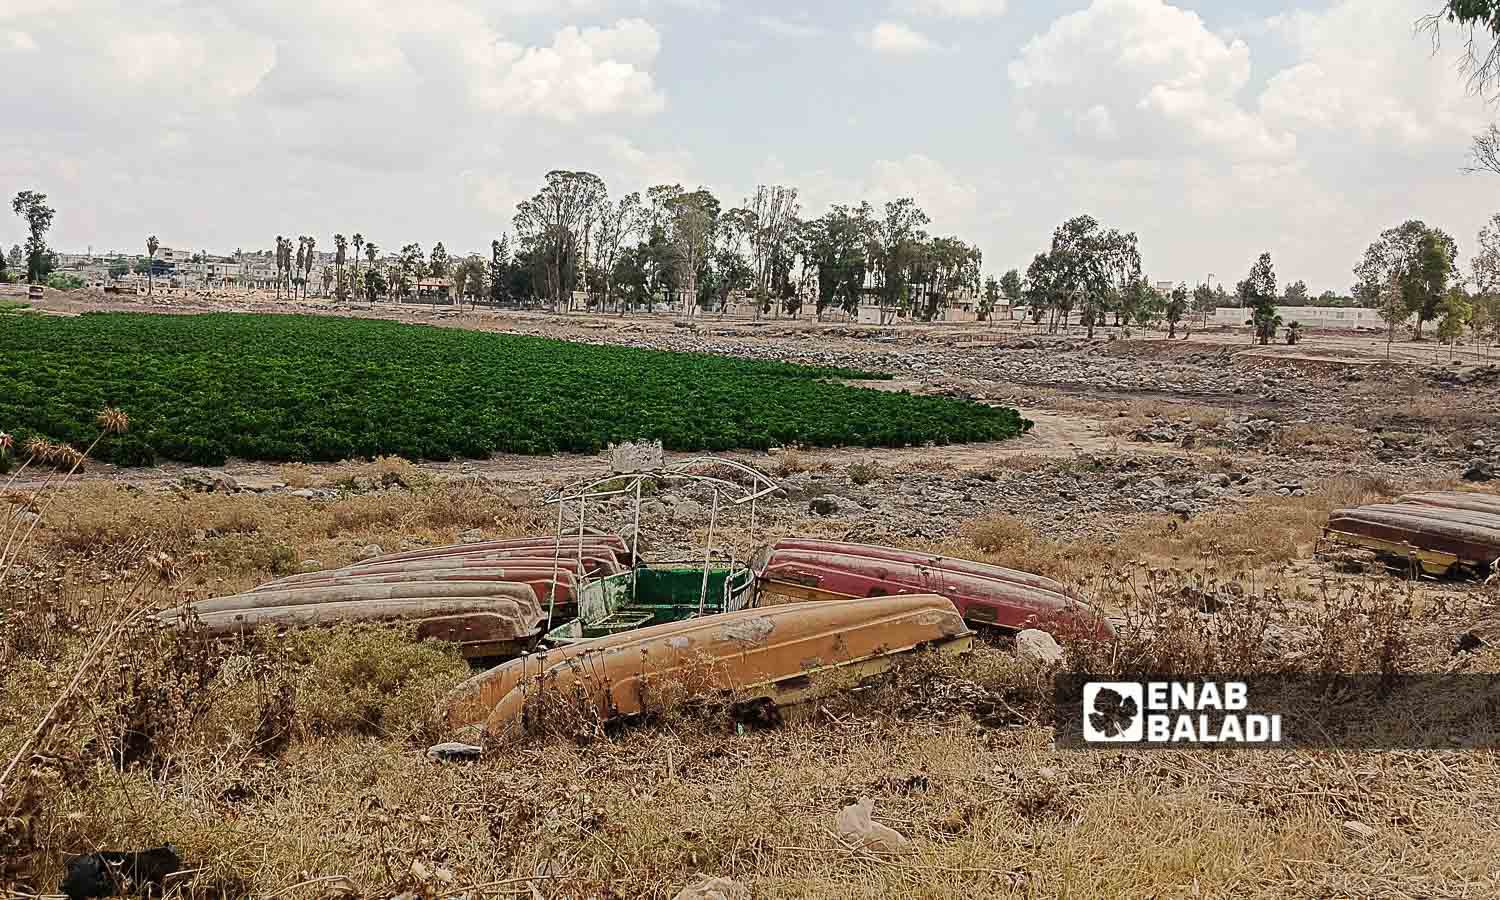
[202,388]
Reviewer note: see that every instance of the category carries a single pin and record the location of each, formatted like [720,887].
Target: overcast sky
[1215,130]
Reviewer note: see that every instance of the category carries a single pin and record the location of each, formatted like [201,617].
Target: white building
[1334,317]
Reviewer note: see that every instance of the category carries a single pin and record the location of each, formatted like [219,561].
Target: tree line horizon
[671,245]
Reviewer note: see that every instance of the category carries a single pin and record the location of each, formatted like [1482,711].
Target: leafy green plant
[310,388]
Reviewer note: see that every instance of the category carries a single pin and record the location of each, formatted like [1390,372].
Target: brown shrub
[1265,531]
[1004,540]
[1329,435]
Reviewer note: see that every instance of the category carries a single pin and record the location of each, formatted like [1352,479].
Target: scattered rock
[855,825]
[1219,480]
[710,887]
[1482,633]
[260,485]
[1359,829]
[453,751]
[304,493]
[1181,508]
[689,510]
[1038,645]
[311,565]
[370,552]
[472,536]
[1479,470]
[826,505]
[104,874]
[208,481]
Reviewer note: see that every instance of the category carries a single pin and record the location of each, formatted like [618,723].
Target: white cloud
[1148,75]
[789,28]
[629,40]
[1355,74]
[636,166]
[952,9]
[583,73]
[948,197]
[19,41]
[894,37]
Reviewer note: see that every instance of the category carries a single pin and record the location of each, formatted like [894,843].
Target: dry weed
[1324,435]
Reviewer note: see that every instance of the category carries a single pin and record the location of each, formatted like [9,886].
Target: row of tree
[673,245]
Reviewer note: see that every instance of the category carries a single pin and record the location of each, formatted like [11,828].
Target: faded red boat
[1004,599]
[541,581]
[483,618]
[590,566]
[931,560]
[1470,500]
[1440,536]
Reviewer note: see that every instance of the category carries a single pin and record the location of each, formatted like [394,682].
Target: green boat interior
[653,596]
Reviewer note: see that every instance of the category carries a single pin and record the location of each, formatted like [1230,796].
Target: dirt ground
[294,766]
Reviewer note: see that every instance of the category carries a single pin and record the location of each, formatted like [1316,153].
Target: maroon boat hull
[1469,500]
[1472,537]
[931,560]
[980,599]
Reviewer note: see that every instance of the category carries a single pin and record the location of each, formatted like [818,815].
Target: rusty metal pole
[556,555]
[708,552]
[582,502]
[635,539]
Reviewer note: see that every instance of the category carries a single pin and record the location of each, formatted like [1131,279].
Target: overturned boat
[986,595]
[777,657]
[1440,532]
[485,619]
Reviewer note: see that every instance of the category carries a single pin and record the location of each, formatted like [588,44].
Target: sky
[1214,129]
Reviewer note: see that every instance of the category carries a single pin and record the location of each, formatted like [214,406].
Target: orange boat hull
[784,655]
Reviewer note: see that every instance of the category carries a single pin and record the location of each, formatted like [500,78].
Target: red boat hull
[931,560]
[1471,537]
[979,598]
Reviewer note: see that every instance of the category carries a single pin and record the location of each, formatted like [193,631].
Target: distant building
[1346,317]
[434,288]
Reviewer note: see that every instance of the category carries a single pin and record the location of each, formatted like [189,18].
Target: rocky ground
[1159,473]
[1130,427]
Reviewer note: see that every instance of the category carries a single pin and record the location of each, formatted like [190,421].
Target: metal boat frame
[611,604]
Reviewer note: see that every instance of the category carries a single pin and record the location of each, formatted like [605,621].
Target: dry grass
[103,521]
[791,460]
[1321,435]
[274,761]
[1264,532]
[1124,414]
[1133,415]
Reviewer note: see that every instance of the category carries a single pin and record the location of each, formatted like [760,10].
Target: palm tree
[307,265]
[372,253]
[284,265]
[151,244]
[340,246]
[304,255]
[358,241]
